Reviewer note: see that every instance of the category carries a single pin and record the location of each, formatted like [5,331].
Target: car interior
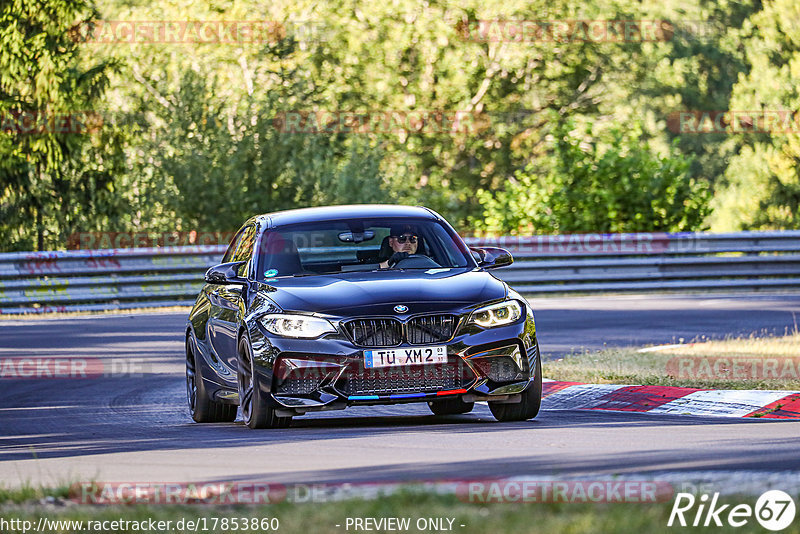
[342,249]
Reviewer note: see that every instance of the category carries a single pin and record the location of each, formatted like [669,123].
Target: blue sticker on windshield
[270,273]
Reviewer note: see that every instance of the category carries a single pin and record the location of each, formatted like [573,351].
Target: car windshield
[358,245]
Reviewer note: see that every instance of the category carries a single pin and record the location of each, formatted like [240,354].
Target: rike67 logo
[774,510]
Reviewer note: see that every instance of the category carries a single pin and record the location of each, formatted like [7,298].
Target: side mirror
[492,257]
[225,273]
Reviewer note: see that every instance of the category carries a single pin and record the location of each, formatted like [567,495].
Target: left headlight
[499,314]
[300,326]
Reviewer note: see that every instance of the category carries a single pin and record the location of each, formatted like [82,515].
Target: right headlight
[499,314]
[299,326]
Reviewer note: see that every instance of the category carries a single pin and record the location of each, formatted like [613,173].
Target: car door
[225,301]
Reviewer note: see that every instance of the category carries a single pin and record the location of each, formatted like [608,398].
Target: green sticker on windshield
[270,273]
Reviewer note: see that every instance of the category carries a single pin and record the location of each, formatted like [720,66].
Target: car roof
[351,211]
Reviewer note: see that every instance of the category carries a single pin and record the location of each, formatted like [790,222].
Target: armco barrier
[35,282]
[651,262]
[93,280]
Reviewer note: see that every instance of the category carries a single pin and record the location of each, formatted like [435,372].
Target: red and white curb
[671,400]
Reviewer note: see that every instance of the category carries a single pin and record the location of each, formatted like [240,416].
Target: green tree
[50,180]
[431,56]
[196,144]
[223,161]
[693,67]
[763,180]
[613,183]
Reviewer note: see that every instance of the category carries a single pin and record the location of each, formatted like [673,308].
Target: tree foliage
[53,178]
[564,135]
[611,183]
[763,180]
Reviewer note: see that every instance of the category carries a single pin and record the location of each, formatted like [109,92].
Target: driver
[404,240]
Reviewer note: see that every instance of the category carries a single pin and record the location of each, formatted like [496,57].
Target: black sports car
[325,308]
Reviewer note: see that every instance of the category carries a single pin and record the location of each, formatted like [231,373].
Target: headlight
[302,326]
[498,314]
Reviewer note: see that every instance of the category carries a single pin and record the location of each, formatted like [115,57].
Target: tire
[202,408]
[450,406]
[531,401]
[256,411]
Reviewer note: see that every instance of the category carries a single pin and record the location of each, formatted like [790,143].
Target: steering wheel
[415,261]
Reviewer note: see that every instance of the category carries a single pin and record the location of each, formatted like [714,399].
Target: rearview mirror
[356,237]
[225,273]
[492,257]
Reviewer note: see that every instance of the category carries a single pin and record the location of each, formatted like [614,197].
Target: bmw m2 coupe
[324,308]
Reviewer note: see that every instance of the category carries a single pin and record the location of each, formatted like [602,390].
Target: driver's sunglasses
[403,238]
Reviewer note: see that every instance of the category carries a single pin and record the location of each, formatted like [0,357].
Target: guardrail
[88,280]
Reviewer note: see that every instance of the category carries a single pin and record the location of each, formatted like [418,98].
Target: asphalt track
[136,428]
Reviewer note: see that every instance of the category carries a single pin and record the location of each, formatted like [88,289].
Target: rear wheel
[256,411]
[531,401]
[450,406]
[201,406]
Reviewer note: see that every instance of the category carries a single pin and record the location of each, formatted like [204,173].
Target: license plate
[405,356]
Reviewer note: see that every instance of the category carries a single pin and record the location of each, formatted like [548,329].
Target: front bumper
[309,375]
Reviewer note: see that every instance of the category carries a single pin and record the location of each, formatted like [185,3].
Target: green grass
[630,366]
[27,493]
[319,518]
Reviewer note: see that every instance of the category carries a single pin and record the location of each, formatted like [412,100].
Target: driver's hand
[397,257]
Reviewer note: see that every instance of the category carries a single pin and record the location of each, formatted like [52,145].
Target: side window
[244,248]
[228,257]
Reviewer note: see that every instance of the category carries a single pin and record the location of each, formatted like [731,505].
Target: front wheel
[201,406]
[528,407]
[256,411]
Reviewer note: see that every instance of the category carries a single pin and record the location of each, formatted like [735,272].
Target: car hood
[377,292]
